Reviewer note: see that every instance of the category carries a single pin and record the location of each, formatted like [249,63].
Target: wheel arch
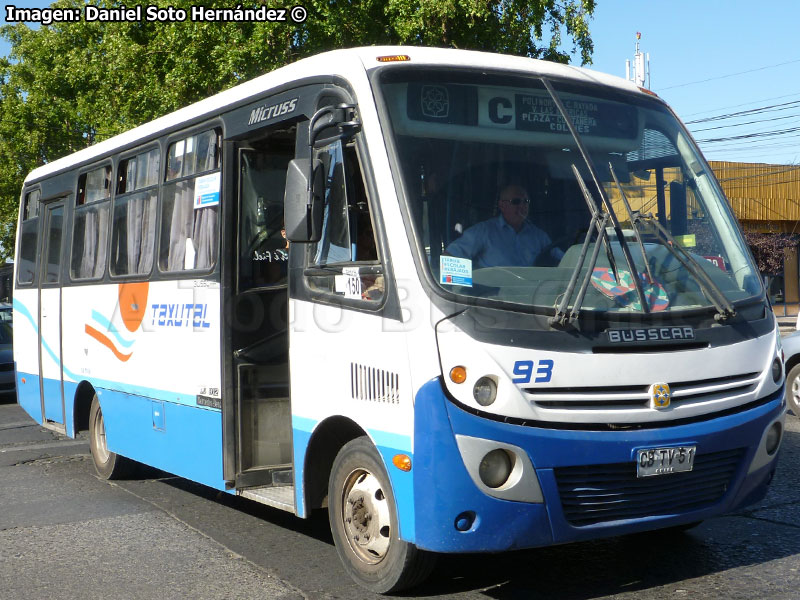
[82,404]
[327,439]
[792,362]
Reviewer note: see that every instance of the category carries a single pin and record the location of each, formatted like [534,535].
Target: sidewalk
[787,325]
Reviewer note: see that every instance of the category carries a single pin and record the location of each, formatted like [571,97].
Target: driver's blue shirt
[494,243]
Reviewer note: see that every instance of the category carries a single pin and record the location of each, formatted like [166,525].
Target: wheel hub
[366,517]
[99,432]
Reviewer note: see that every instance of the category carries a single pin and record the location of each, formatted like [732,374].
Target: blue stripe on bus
[128,388]
[23,310]
[111,329]
[189,445]
[29,396]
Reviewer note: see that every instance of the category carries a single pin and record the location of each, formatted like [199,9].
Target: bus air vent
[374,385]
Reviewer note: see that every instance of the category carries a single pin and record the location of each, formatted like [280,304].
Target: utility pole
[641,66]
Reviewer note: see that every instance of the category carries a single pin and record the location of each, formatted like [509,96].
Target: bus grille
[636,396]
[604,493]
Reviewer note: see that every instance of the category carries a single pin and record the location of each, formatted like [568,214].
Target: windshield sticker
[624,292]
[687,241]
[455,271]
[206,191]
[717,261]
[348,283]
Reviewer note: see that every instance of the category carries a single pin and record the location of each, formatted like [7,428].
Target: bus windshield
[506,208]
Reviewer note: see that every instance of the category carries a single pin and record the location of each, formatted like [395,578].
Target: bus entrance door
[50,366]
[260,335]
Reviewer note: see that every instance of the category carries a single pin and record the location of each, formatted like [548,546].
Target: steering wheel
[543,259]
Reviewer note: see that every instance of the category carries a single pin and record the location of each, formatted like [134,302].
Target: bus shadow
[765,532]
[315,526]
[633,564]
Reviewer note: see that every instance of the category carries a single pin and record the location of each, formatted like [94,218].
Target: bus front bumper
[453,514]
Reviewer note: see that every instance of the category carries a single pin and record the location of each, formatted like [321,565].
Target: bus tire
[363,519]
[109,465]
[793,390]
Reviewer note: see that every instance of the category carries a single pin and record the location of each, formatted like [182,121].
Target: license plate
[663,461]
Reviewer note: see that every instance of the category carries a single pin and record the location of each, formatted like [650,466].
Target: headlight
[485,391]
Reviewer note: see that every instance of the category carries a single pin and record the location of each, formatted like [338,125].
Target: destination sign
[520,110]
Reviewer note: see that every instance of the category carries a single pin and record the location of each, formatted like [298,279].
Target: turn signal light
[458,374]
[402,462]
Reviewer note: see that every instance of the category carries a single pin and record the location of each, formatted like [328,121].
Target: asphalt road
[66,534]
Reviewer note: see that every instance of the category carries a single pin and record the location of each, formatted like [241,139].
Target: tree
[69,85]
[768,249]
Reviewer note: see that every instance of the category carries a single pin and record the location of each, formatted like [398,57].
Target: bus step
[283,476]
[281,497]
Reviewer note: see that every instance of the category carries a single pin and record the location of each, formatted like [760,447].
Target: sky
[729,68]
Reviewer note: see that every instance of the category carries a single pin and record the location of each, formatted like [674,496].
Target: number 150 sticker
[525,369]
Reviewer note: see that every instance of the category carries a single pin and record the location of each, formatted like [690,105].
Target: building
[766,200]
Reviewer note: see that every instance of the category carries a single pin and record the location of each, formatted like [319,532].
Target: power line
[760,134]
[748,112]
[758,144]
[672,87]
[770,119]
[702,112]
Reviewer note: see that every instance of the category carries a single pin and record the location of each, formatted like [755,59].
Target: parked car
[8,383]
[791,353]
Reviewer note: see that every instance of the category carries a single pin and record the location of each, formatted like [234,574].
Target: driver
[508,239]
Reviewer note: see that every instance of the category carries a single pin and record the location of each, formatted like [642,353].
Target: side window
[348,235]
[134,224]
[90,225]
[28,238]
[94,185]
[55,227]
[89,235]
[190,204]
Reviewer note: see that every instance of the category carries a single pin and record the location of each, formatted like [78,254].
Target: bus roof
[344,63]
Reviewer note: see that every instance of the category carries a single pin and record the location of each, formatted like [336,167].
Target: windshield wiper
[609,210]
[600,232]
[635,217]
[599,221]
[725,309]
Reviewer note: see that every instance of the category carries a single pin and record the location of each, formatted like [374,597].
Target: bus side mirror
[303,203]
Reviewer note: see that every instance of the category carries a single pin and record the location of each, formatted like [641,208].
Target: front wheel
[793,390]
[363,518]
[109,465]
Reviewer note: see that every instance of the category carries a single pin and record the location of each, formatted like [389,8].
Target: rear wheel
[793,390]
[109,465]
[363,519]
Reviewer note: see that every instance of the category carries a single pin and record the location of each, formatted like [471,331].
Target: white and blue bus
[467,302]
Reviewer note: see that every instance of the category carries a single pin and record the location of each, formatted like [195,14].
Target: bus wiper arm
[599,221]
[609,209]
[601,231]
[725,309]
[635,217]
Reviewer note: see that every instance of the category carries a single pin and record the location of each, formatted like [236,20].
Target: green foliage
[69,85]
